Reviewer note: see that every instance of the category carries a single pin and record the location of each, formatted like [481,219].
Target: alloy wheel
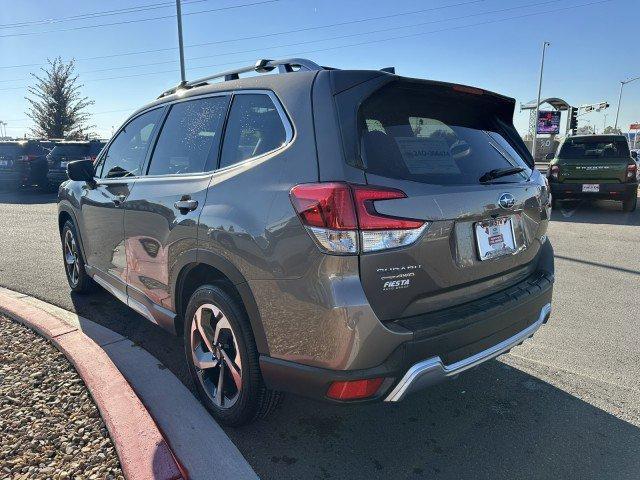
[216,356]
[71,258]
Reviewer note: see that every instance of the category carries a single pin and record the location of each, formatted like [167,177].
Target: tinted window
[409,133]
[77,150]
[126,153]
[600,148]
[254,128]
[190,137]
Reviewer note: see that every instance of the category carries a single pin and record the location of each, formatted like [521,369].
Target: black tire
[253,400]
[630,204]
[83,283]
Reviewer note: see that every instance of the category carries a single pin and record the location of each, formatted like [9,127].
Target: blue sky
[594,46]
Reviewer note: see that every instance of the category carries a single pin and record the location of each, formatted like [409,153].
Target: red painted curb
[142,450]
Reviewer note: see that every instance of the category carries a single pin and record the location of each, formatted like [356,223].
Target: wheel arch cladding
[211,268]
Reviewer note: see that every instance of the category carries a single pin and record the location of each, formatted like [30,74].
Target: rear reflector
[354,389]
[339,216]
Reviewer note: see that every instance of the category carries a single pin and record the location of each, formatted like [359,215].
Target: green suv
[594,166]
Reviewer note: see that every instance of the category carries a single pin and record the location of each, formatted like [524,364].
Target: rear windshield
[414,134]
[594,148]
[71,150]
[10,148]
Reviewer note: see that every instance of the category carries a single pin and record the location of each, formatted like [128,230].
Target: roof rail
[261,66]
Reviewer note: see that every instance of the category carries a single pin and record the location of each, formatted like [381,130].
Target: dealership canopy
[556,103]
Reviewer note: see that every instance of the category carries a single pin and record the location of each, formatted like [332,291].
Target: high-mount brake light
[465,89]
[343,220]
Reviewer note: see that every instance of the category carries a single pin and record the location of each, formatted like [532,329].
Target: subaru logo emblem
[506,201]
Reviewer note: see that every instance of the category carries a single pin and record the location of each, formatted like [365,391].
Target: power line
[367,42]
[420,24]
[253,37]
[103,13]
[338,37]
[139,20]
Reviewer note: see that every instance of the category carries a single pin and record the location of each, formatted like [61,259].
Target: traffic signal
[573,119]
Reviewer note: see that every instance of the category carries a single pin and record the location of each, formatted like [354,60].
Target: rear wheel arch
[213,269]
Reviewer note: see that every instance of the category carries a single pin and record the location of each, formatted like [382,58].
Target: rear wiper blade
[499,172]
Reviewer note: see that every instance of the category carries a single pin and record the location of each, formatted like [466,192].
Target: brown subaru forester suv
[341,234]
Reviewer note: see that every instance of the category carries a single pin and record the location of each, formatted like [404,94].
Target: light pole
[535,129]
[604,123]
[180,44]
[622,84]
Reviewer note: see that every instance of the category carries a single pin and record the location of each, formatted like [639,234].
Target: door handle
[186,205]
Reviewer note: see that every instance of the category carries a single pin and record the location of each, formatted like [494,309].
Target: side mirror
[549,156]
[634,155]
[81,171]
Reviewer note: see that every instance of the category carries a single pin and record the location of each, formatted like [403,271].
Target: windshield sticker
[427,156]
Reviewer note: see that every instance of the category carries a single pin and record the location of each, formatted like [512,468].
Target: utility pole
[622,84]
[535,130]
[183,78]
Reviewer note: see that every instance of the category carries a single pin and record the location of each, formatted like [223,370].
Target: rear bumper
[57,176]
[607,190]
[433,370]
[482,330]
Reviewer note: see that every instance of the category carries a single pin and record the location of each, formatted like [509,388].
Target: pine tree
[56,106]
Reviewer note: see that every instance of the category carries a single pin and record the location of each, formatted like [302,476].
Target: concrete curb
[201,446]
[141,448]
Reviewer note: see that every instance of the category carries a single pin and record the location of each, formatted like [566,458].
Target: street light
[622,84]
[535,129]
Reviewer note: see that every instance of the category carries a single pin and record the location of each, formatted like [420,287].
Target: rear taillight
[26,158]
[89,157]
[354,389]
[554,171]
[343,220]
[632,171]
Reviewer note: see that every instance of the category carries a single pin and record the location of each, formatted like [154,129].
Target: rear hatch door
[435,142]
[63,153]
[594,159]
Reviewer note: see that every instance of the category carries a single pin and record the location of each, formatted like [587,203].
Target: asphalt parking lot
[566,404]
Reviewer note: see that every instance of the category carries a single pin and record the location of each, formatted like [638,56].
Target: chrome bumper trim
[432,370]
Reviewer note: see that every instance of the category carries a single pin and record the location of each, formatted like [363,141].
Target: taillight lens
[632,171]
[340,216]
[554,171]
[354,389]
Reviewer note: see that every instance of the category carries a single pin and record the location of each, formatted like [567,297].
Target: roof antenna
[391,70]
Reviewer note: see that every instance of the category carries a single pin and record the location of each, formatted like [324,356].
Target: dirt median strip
[141,448]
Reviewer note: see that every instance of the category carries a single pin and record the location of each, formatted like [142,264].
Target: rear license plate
[64,164]
[495,238]
[591,187]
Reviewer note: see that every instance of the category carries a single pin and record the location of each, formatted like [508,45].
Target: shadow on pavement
[594,211]
[28,196]
[495,422]
[103,309]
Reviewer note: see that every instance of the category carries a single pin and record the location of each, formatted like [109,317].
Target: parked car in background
[22,163]
[348,235]
[594,166]
[68,151]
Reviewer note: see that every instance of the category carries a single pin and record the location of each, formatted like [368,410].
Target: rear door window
[128,150]
[254,128]
[413,134]
[190,137]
